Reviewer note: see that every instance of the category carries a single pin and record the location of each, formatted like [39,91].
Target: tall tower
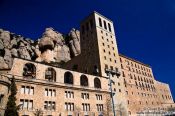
[99,51]
[98,44]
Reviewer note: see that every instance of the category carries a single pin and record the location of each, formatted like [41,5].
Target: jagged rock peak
[52,47]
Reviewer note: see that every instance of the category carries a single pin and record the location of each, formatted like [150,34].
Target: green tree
[11,108]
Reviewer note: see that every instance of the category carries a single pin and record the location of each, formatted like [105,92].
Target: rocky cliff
[53,47]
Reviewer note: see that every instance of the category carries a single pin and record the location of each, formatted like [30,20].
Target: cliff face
[52,47]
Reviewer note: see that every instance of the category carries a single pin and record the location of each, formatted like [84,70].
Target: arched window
[29,70]
[83,80]
[68,78]
[97,83]
[50,74]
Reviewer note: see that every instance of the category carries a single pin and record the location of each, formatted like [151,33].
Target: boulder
[55,36]
[13,43]
[14,52]
[1,45]
[22,51]
[61,53]
[5,37]
[3,65]
[74,42]
[8,58]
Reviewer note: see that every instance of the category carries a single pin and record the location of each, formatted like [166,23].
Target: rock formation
[74,42]
[52,47]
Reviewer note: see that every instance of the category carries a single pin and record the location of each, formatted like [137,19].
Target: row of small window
[136,65]
[85,106]
[104,24]
[139,78]
[144,85]
[107,39]
[27,90]
[166,97]
[143,94]
[141,87]
[111,67]
[70,94]
[137,71]
[51,105]
[52,93]
[30,91]
[108,52]
[164,90]
[110,59]
[146,103]
[88,26]
[108,45]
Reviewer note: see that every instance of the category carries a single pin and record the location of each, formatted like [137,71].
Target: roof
[95,12]
[134,60]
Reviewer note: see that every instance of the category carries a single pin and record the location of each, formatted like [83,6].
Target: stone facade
[141,89]
[81,86]
[34,91]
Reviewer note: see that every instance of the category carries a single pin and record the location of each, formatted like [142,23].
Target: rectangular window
[106,66]
[30,104]
[105,24]
[85,95]
[69,106]
[83,29]
[46,92]
[32,91]
[87,26]
[27,90]
[86,107]
[100,22]
[98,96]
[109,26]
[22,89]
[99,107]
[69,94]
[49,105]
[50,92]
[91,23]
[26,104]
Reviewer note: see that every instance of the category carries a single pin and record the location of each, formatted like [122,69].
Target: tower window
[109,26]
[100,23]
[105,24]
[91,23]
[83,30]
[87,26]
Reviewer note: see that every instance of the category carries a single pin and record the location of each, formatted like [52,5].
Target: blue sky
[145,29]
